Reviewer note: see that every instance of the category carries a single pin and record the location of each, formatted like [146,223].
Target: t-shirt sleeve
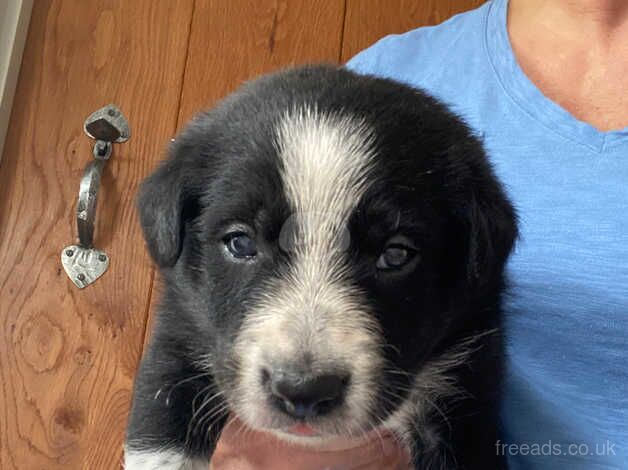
[424,56]
[369,60]
[402,57]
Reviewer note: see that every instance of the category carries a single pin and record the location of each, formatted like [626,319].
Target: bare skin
[576,53]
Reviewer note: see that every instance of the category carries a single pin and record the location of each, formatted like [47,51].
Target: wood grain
[236,40]
[369,20]
[68,356]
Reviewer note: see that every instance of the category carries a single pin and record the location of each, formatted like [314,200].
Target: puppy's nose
[307,396]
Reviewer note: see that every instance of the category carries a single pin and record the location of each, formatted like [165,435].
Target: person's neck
[576,53]
[597,23]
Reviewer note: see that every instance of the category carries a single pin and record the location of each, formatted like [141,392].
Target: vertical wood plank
[236,40]
[68,356]
[368,20]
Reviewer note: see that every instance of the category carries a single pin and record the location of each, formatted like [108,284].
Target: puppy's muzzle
[305,395]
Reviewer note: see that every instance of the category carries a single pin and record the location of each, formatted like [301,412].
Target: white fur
[314,308]
[161,460]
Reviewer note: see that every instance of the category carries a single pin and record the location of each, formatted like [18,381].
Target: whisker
[183,381]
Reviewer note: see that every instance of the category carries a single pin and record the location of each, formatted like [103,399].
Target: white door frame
[14,18]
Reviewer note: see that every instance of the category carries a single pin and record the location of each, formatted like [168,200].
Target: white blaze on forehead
[314,309]
[326,159]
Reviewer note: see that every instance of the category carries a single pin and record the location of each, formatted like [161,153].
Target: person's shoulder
[409,56]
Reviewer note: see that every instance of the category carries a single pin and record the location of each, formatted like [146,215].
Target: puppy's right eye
[240,245]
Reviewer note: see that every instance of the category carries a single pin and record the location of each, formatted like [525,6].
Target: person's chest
[567,311]
[567,307]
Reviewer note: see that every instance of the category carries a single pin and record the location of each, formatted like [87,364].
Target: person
[544,83]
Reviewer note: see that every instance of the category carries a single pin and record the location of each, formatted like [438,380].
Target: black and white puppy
[333,250]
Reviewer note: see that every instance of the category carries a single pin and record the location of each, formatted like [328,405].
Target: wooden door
[68,356]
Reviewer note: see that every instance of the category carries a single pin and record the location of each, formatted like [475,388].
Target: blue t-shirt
[566,388]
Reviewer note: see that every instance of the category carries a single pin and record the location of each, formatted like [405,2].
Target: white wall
[14,19]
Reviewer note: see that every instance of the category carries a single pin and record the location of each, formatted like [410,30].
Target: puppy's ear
[167,200]
[492,231]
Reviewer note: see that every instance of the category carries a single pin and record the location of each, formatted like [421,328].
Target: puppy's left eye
[395,256]
[240,245]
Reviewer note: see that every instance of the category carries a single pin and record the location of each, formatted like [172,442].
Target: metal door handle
[82,262]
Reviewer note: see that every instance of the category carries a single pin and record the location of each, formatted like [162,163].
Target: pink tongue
[302,430]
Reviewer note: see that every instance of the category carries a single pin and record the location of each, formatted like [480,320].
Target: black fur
[432,183]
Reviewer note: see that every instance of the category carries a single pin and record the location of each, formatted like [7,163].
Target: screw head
[102,258]
[112,112]
[69,252]
[81,277]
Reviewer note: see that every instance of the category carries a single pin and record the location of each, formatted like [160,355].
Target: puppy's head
[321,234]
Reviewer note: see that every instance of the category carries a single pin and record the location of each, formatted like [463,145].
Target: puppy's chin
[320,433]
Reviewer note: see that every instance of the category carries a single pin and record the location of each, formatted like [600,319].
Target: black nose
[306,396]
